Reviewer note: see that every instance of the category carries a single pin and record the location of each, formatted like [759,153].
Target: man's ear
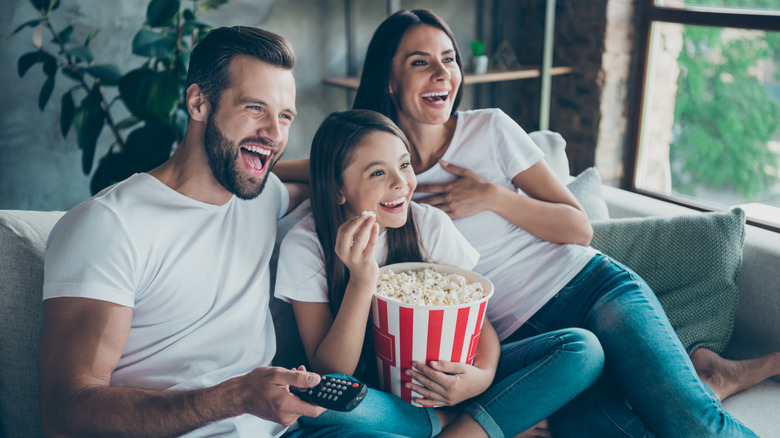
[197,103]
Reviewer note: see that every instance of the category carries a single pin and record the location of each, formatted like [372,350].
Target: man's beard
[223,156]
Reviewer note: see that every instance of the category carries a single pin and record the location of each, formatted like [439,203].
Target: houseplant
[152,93]
[479,61]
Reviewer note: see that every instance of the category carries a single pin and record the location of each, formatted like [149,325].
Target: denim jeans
[338,432]
[535,378]
[649,386]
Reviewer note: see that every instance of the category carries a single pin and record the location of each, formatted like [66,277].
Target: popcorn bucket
[406,332]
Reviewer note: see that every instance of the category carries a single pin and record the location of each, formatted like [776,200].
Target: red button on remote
[355,385]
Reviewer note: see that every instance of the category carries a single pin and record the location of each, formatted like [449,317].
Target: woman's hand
[447,383]
[466,196]
[355,246]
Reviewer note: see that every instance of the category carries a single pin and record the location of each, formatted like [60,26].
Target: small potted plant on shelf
[479,61]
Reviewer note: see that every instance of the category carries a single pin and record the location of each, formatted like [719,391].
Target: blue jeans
[535,378]
[338,432]
[649,386]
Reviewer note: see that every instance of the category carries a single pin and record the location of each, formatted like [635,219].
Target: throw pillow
[554,147]
[586,187]
[691,262]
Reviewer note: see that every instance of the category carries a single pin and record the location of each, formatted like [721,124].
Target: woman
[533,243]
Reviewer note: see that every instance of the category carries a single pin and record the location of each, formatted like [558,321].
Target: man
[156,290]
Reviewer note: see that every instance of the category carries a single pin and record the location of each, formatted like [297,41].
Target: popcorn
[428,287]
[368,213]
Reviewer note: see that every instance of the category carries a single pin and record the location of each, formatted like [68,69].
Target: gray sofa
[23,235]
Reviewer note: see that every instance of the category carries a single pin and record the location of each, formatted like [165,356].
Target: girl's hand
[447,383]
[355,246]
[466,196]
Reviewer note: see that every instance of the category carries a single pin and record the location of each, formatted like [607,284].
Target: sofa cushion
[691,262]
[23,237]
[586,187]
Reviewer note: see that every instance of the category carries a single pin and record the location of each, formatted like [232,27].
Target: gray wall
[39,170]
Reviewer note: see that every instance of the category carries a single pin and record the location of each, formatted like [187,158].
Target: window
[707,125]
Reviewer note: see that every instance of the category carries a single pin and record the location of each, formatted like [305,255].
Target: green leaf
[90,36]
[188,15]
[65,35]
[163,95]
[133,89]
[66,115]
[153,45]
[28,60]
[41,5]
[149,146]
[108,74]
[112,168]
[127,122]
[212,4]
[49,65]
[88,121]
[75,75]
[31,23]
[46,89]
[161,12]
[54,5]
[151,95]
[81,53]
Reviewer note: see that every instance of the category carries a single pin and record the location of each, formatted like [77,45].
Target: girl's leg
[535,378]
[381,412]
[644,359]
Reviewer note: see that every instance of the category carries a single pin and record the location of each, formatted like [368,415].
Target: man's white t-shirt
[196,275]
[301,273]
[525,270]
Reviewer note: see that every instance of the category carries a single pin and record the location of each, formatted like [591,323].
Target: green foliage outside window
[724,117]
[152,93]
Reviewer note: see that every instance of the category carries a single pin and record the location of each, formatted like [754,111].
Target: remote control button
[355,385]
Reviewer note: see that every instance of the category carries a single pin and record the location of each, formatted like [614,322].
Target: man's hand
[447,383]
[466,196]
[269,395]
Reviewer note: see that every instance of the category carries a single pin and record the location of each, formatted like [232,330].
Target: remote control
[335,391]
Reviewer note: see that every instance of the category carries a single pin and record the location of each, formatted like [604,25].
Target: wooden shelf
[352,82]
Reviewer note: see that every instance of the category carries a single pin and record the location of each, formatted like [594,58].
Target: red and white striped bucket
[406,332]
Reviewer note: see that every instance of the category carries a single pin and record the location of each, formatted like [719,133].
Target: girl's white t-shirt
[525,270]
[301,274]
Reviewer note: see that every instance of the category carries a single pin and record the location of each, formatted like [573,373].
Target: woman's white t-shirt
[525,270]
[301,274]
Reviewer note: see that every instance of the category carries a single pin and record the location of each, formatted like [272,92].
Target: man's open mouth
[256,158]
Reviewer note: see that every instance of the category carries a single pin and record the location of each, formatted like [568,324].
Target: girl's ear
[197,104]
[341,199]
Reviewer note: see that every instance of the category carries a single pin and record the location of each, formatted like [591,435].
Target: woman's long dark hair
[332,151]
[374,90]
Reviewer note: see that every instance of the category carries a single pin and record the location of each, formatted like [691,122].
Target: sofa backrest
[23,237]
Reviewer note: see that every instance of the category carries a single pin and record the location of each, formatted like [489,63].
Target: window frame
[647,14]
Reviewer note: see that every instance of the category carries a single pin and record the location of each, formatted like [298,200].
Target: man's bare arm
[295,170]
[83,340]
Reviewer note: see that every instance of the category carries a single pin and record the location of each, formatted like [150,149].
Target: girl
[521,218]
[328,267]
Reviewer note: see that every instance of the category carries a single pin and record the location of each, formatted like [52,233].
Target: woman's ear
[341,199]
[197,103]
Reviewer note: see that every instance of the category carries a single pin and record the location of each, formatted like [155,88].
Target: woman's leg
[535,378]
[381,412]
[644,360]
